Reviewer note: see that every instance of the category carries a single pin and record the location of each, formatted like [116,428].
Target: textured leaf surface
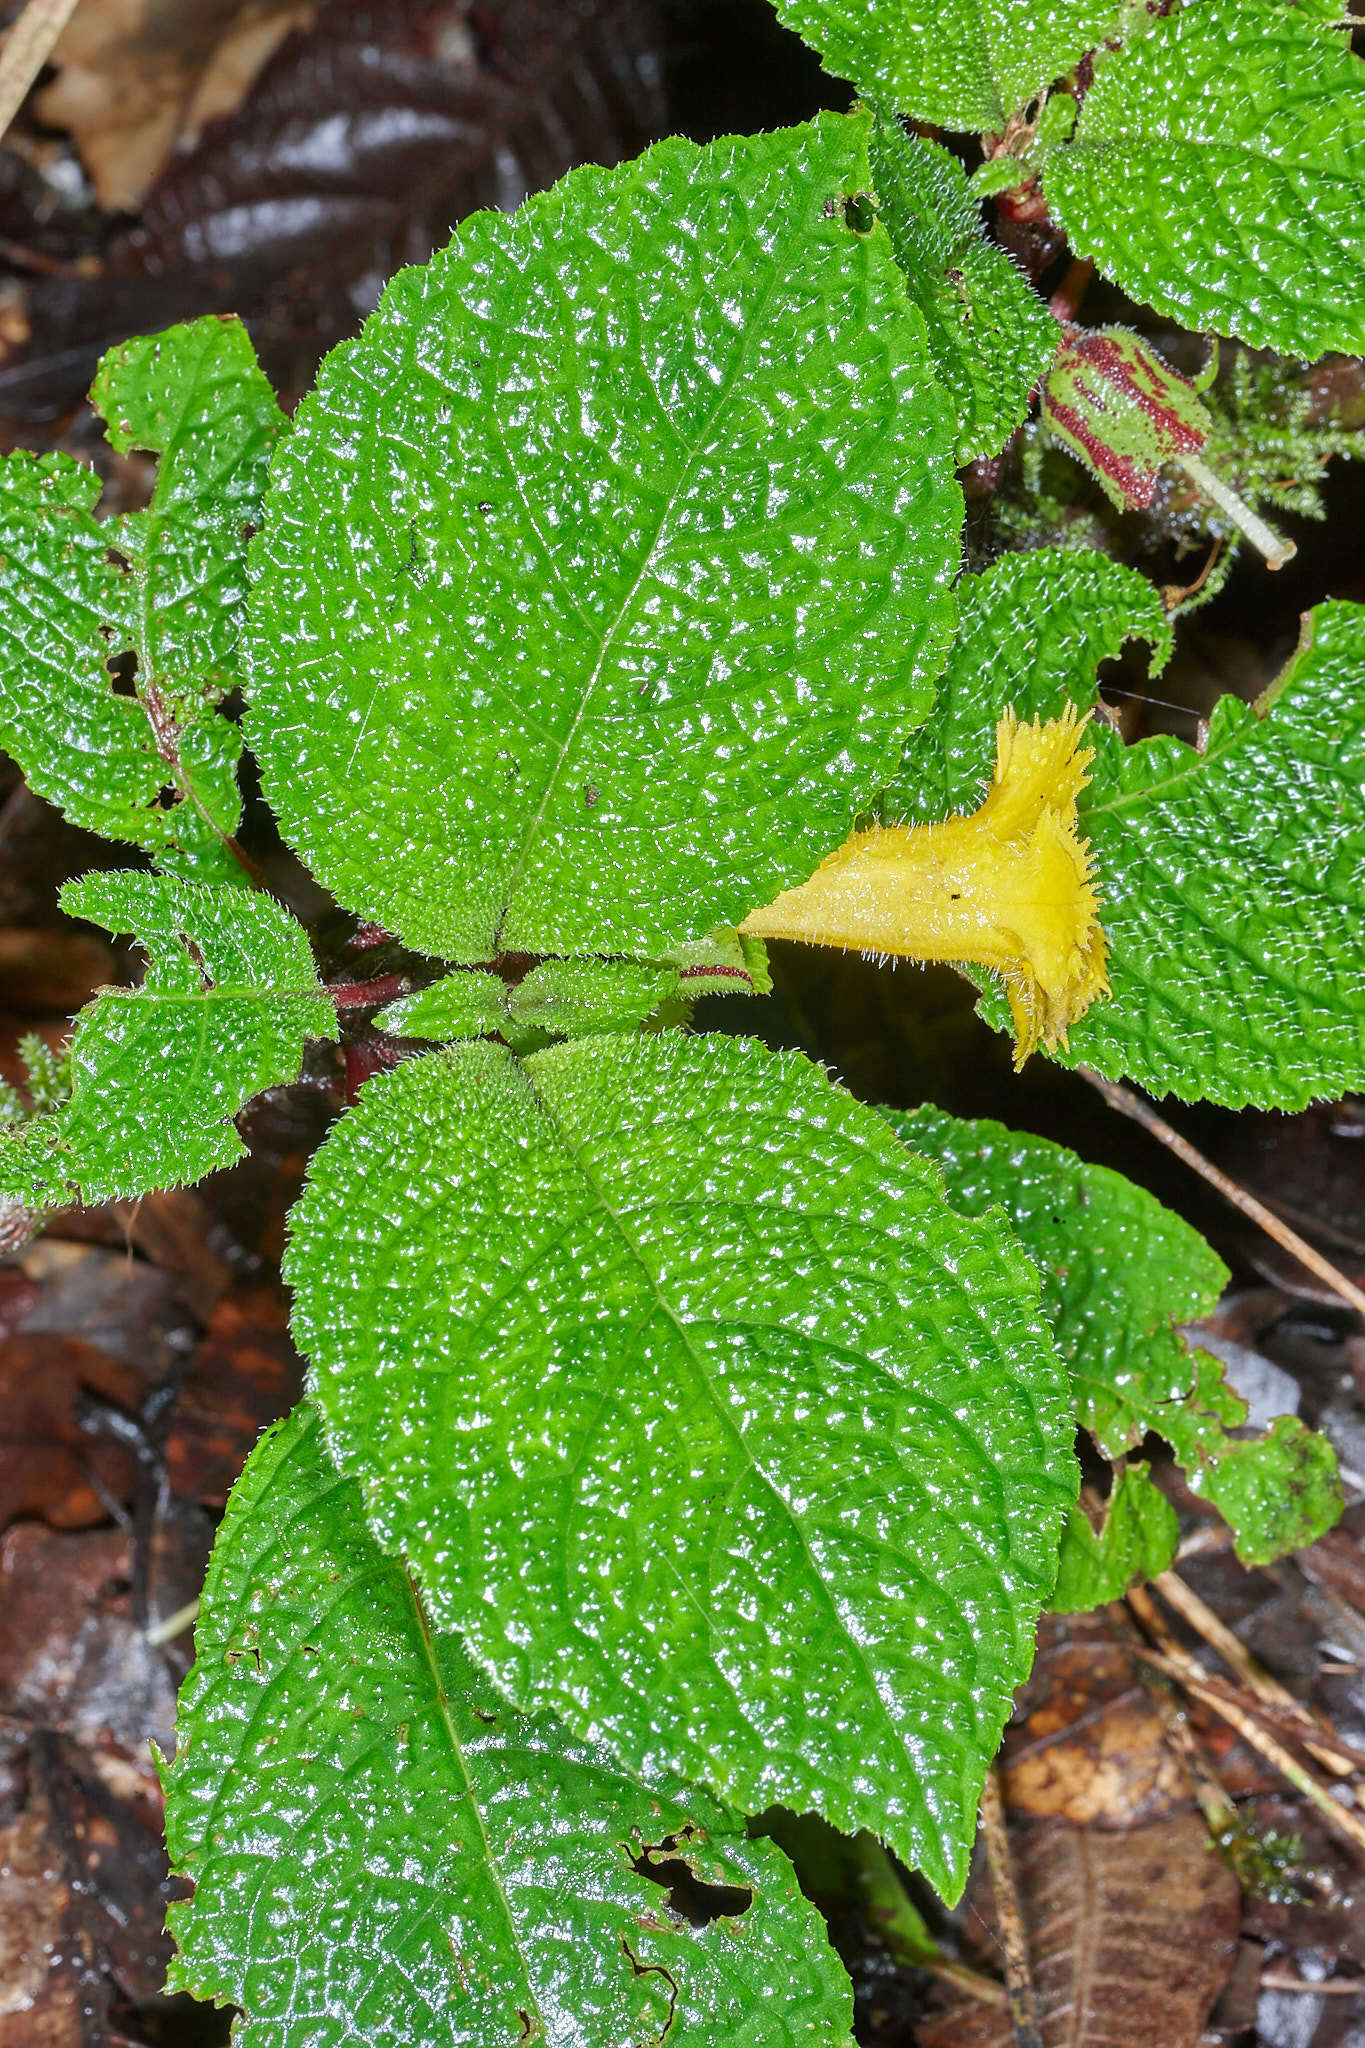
[1034,629]
[229,998]
[1217,169]
[699,1413]
[470,1004]
[1230,881]
[963,63]
[1137,1538]
[601,577]
[578,998]
[384,1853]
[1277,1492]
[557,999]
[990,335]
[1119,1270]
[166,586]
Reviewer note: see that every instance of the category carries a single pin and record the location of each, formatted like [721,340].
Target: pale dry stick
[1131,1105]
[1010,1921]
[1285,1714]
[27,48]
[1266,1713]
[1339,1818]
[1213,1536]
[1334,1987]
[1254,1676]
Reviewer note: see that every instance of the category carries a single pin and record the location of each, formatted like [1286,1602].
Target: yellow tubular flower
[1008,887]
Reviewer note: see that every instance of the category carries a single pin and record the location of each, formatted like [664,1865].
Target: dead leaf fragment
[1090,1747]
[133,75]
[1131,1938]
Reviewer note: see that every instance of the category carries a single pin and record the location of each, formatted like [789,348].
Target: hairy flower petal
[1008,887]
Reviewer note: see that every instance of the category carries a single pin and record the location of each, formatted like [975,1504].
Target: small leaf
[698,1412]
[1119,1271]
[382,1851]
[1278,1492]
[990,335]
[229,999]
[470,1004]
[1137,1538]
[578,998]
[1217,170]
[964,64]
[1034,629]
[164,589]
[596,677]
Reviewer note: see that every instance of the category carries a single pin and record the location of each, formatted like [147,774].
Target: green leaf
[557,999]
[382,1851]
[158,1072]
[1034,629]
[166,586]
[584,622]
[1119,1271]
[578,998]
[470,1004]
[990,335]
[1278,1492]
[1217,173]
[965,64]
[698,1412]
[1229,876]
[1137,1538]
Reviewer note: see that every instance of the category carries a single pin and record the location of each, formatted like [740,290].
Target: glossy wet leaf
[229,999]
[165,586]
[964,64]
[1277,1492]
[1137,1537]
[603,574]
[990,335]
[1119,1271]
[1217,169]
[383,1851]
[698,1412]
[470,1004]
[1034,629]
[1229,875]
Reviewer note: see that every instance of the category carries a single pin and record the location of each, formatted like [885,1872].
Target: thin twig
[27,48]
[1009,1919]
[1339,1818]
[1254,1676]
[1131,1105]
[1333,1987]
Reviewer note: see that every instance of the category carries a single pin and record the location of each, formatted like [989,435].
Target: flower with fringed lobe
[1008,886]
